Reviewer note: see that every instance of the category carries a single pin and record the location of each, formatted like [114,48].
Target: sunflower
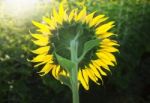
[55,34]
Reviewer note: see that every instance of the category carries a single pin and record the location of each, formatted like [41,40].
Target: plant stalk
[74,72]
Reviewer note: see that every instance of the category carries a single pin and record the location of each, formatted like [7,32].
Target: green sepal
[90,44]
[65,80]
[65,63]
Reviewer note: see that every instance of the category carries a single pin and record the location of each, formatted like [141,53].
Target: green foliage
[65,63]
[68,65]
[88,46]
[129,83]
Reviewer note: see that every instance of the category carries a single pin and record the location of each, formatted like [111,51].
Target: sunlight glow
[19,7]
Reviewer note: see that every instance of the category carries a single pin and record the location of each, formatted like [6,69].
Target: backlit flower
[55,34]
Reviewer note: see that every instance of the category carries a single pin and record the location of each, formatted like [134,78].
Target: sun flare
[20,8]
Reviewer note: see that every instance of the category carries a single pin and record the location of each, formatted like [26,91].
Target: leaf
[90,44]
[65,63]
[65,80]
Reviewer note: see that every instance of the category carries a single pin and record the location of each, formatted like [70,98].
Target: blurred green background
[129,81]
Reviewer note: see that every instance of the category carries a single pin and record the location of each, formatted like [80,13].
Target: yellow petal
[45,31]
[75,13]
[42,58]
[65,17]
[57,17]
[46,59]
[89,17]
[107,62]
[63,72]
[39,36]
[85,75]
[92,75]
[101,20]
[39,64]
[38,58]
[46,20]
[109,49]
[95,64]
[102,72]
[108,42]
[111,56]
[106,55]
[55,14]
[61,10]
[95,71]
[50,22]
[105,35]
[44,62]
[40,25]
[95,20]
[105,66]
[81,15]
[41,39]
[54,71]
[99,69]
[40,42]
[81,79]
[103,56]
[46,69]
[71,15]
[57,70]
[42,50]
[104,28]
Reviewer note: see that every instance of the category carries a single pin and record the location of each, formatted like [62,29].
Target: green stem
[74,72]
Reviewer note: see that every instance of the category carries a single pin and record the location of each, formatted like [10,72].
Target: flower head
[55,35]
